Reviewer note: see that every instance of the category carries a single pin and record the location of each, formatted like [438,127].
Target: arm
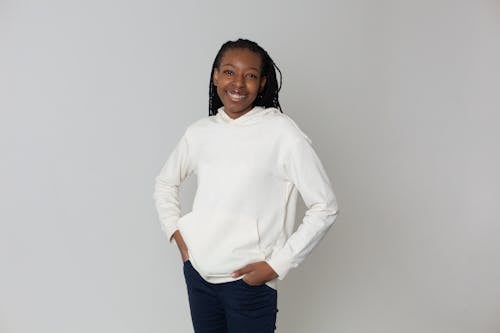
[181,244]
[166,190]
[305,170]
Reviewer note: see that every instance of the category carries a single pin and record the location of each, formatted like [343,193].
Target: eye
[228,72]
[251,76]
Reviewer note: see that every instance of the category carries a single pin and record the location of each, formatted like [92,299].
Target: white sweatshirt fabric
[250,171]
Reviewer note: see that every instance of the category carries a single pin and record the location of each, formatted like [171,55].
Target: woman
[251,161]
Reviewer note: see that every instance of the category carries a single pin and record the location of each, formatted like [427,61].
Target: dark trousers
[230,307]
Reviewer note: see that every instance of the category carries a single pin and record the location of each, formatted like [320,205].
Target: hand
[256,273]
[181,245]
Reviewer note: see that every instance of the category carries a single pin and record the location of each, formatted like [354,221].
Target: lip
[236,96]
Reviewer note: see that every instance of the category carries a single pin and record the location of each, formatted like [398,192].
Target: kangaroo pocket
[220,242]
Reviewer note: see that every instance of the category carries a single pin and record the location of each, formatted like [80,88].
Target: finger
[252,281]
[246,281]
[244,270]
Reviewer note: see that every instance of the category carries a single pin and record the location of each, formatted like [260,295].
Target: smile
[236,97]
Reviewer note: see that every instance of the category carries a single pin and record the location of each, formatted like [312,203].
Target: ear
[216,76]
[263,81]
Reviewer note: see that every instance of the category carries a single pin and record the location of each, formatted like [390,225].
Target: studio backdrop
[399,98]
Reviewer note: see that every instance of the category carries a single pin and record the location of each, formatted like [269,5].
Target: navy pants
[230,307]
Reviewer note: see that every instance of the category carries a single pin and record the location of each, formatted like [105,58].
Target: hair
[269,95]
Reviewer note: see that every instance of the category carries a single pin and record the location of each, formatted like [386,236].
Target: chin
[238,109]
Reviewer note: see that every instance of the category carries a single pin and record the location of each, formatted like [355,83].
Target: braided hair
[269,95]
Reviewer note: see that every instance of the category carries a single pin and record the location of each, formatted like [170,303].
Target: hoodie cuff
[280,265]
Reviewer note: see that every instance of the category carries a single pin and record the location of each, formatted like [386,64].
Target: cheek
[254,87]
[220,91]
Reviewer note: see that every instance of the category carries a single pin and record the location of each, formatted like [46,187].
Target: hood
[256,114]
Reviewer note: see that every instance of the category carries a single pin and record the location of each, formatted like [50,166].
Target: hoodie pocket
[220,242]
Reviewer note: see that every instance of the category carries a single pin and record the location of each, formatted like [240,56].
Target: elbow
[332,213]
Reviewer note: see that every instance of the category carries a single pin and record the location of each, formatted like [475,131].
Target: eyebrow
[254,68]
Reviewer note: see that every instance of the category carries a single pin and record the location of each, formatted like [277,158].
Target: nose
[239,80]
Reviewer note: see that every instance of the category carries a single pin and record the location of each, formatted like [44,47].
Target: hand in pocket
[255,274]
[179,240]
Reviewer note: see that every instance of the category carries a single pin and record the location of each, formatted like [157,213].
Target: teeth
[236,96]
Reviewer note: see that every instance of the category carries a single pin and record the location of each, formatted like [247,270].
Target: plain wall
[400,99]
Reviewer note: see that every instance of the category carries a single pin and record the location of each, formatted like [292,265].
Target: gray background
[400,99]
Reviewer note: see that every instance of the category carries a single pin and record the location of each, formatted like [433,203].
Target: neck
[234,115]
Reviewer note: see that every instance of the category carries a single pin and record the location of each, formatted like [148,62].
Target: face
[239,80]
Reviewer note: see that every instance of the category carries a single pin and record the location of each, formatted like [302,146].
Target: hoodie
[249,171]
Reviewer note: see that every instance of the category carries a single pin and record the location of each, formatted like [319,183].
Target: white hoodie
[249,171]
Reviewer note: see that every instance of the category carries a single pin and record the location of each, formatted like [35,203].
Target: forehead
[241,57]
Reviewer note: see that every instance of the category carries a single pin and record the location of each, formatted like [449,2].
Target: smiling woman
[251,161]
[238,80]
[249,62]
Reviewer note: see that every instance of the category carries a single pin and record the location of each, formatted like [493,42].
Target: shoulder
[288,127]
[198,126]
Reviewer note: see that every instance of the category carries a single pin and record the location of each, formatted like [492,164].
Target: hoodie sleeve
[166,190]
[305,170]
